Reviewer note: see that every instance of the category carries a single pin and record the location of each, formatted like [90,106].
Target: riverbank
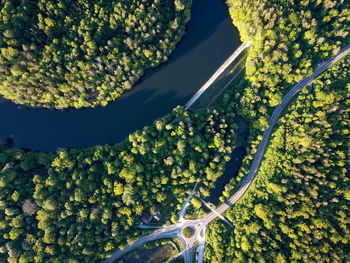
[210,39]
[232,167]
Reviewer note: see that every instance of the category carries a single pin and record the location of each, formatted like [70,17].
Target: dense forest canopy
[289,39]
[297,210]
[61,54]
[79,205]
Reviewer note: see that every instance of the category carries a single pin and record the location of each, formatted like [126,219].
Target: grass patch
[179,245]
[179,259]
[160,251]
[188,232]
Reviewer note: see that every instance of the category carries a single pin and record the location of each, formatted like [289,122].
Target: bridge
[199,225]
[222,68]
[215,212]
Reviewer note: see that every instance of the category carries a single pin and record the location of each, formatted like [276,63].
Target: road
[200,251]
[272,121]
[169,232]
[175,231]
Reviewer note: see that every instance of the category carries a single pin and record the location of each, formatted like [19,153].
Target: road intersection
[199,225]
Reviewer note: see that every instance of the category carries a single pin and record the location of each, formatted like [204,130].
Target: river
[209,40]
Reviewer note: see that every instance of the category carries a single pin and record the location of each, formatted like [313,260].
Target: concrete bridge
[222,68]
[199,225]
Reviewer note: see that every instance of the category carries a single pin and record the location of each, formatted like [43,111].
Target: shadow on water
[209,40]
[232,167]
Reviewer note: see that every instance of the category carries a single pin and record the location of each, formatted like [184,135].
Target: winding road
[175,231]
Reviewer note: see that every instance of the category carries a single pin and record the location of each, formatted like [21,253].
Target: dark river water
[209,40]
[232,167]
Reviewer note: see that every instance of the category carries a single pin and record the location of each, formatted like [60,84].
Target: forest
[297,208]
[80,205]
[60,54]
[289,39]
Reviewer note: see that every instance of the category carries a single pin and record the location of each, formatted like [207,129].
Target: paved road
[200,251]
[187,255]
[272,121]
[215,212]
[159,234]
[175,231]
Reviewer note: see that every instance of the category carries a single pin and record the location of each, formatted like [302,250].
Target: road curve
[175,230]
[272,121]
[168,232]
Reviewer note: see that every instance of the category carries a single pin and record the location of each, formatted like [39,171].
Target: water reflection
[232,167]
